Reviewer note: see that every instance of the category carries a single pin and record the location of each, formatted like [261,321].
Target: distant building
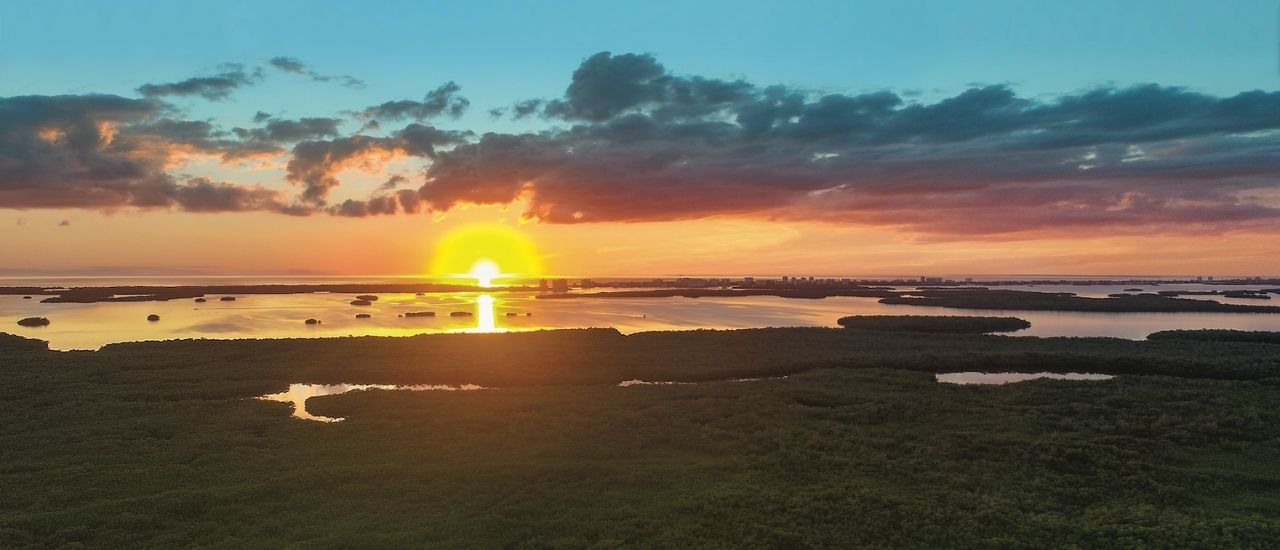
[560,285]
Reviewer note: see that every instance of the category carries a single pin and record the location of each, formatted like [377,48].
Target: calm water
[89,326]
[298,394]
[998,378]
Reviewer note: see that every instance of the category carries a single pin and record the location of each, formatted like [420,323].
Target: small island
[934,324]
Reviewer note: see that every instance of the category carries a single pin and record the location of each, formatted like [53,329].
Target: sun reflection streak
[484,314]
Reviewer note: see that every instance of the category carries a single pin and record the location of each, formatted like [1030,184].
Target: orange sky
[162,242]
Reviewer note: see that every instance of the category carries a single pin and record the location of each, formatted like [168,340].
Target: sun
[485,253]
[485,271]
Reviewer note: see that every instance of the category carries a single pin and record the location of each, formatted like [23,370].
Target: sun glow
[485,271]
[485,253]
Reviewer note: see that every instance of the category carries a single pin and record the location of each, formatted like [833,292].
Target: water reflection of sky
[298,394]
[89,326]
[1000,378]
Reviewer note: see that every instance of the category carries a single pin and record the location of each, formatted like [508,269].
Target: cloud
[296,66]
[442,100]
[213,88]
[630,140]
[107,152]
[645,144]
[283,131]
[315,164]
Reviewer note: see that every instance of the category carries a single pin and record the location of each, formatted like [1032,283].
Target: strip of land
[959,299]
[1044,301]
[94,294]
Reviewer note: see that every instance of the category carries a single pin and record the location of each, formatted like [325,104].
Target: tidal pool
[637,382]
[1009,377]
[297,394]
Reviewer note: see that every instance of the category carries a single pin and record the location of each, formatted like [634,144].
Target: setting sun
[485,271]
[485,252]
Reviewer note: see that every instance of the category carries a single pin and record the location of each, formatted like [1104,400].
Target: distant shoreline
[1011,300]
[86,295]
[958,296]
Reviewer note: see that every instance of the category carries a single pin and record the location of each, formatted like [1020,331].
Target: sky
[655,138]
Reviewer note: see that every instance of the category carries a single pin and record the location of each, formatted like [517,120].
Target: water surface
[89,326]
[997,378]
[298,394]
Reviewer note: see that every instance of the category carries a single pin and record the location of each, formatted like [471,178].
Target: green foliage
[1218,335]
[156,445]
[940,323]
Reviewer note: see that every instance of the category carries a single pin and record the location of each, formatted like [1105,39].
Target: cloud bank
[630,140]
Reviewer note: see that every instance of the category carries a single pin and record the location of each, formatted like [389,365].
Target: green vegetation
[1218,335]
[156,444]
[1043,301]
[940,323]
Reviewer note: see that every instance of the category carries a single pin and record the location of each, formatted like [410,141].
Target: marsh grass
[159,445]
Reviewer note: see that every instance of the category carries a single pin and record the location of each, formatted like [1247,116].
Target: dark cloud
[287,131]
[315,164]
[645,144]
[213,88]
[393,182]
[605,86]
[296,66]
[629,140]
[205,195]
[525,108]
[440,101]
[289,64]
[105,152]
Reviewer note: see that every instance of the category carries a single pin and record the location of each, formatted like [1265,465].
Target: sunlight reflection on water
[297,394]
[89,326]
